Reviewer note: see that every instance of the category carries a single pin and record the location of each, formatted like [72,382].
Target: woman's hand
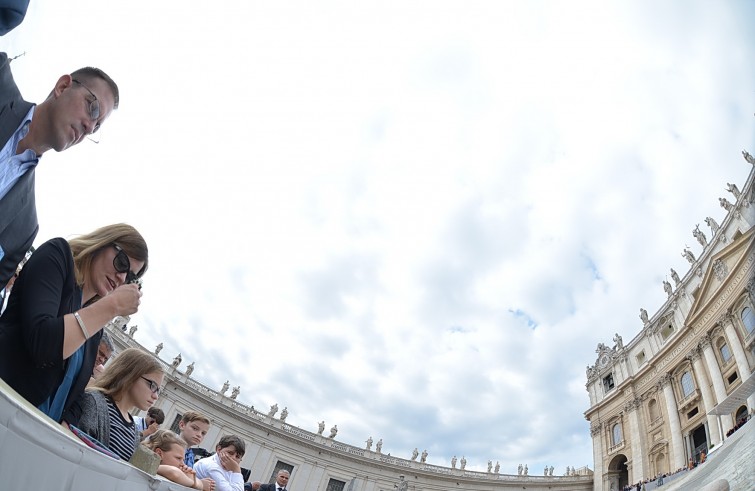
[125,299]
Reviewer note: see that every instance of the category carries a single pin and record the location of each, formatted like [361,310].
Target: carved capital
[704,342]
[595,428]
[632,405]
[664,380]
[725,318]
[694,354]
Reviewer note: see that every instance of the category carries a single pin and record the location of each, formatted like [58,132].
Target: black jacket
[32,327]
[18,210]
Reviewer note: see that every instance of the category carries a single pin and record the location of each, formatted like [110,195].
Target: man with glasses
[76,108]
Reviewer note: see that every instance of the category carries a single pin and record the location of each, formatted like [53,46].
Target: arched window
[616,433]
[725,351]
[748,319]
[687,385]
[653,409]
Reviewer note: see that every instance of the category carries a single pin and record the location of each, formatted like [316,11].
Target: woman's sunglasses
[122,264]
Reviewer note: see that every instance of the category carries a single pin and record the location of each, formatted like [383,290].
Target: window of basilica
[748,319]
[688,386]
[616,437]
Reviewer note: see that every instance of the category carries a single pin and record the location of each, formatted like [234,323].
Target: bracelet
[81,325]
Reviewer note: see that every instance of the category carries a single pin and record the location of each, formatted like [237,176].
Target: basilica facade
[672,394]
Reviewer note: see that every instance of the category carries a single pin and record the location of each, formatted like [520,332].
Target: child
[225,466]
[131,381]
[150,423]
[170,448]
[193,428]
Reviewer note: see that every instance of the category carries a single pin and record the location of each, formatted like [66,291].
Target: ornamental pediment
[728,266]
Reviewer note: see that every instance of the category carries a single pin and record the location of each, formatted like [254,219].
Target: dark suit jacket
[18,210]
[268,487]
[31,328]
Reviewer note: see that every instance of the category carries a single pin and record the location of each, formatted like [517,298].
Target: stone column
[718,381]
[596,430]
[739,354]
[704,385]
[638,455]
[677,446]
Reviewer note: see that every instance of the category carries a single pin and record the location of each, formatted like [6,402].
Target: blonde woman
[62,298]
[131,381]
[171,448]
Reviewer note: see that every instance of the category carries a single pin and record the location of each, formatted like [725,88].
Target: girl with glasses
[131,381]
[65,294]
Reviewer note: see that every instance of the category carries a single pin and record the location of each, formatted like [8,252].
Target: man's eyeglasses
[94,107]
[153,386]
[122,264]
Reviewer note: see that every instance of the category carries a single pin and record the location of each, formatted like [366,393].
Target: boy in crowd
[192,429]
[225,466]
[151,423]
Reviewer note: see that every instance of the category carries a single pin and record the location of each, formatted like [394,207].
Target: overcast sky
[415,220]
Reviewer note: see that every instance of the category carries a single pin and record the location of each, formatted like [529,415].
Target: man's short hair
[237,443]
[105,339]
[190,416]
[89,73]
[157,414]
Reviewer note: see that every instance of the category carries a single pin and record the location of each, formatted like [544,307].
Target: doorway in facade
[618,467]
[699,442]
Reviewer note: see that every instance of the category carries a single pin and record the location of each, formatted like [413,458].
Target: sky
[415,220]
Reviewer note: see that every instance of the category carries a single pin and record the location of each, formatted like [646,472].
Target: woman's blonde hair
[164,440]
[126,370]
[86,247]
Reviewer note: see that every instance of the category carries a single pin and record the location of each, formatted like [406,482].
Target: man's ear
[63,84]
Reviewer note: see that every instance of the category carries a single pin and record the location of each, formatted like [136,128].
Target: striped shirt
[122,432]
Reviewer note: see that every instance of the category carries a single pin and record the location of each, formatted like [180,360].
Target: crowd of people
[56,299]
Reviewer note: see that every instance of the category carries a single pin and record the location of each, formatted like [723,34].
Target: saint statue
[369,443]
[519,470]
[490,466]
[333,431]
[497,467]
[733,189]
[687,254]
[700,236]
[158,348]
[725,204]
[619,342]
[235,392]
[176,361]
[463,463]
[667,288]
[453,462]
[415,453]
[748,157]
[284,414]
[190,369]
[379,446]
[644,316]
[320,427]
[225,387]
[712,224]
[273,410]
[675,277]
[423,458]
[132,331]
